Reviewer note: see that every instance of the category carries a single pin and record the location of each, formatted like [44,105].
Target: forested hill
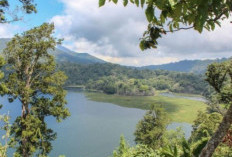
[83,69]
[192,66]
[63,54]
[112,78]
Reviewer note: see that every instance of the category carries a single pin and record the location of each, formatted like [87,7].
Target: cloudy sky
[112,33]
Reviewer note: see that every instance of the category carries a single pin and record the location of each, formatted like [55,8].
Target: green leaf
[172,3]
[142,3]
[171,28]
[218,23]
[125,2]
[101,3]
[162,19]
[141,45]
[115,1]
[149,13]
[137,3]
[199,146]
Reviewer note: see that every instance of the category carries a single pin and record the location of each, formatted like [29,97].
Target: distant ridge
[192,66]
[63,54]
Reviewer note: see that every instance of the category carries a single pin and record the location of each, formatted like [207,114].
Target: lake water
[93,129]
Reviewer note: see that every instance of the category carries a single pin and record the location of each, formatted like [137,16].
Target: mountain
[63,54]
[193,66]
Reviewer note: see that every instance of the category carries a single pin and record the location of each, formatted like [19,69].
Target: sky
[112,33]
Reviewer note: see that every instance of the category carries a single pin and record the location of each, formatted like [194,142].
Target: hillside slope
[63,54]
[193,66]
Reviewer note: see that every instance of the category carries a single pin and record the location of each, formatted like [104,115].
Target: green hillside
[63,54]
[193,66]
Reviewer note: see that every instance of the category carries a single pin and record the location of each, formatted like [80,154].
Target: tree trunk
[25,153]
[218,136]
[24,140]
[25,110]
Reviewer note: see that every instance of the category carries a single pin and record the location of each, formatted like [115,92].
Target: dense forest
[116,79]
[193,66]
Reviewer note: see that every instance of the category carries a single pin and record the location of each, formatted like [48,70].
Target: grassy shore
[178,109]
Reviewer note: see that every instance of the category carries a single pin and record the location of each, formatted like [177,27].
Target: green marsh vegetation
[178,109]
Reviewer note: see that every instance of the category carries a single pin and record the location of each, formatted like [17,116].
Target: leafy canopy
[150,130]
[124,150]
[2,85]
[35,82]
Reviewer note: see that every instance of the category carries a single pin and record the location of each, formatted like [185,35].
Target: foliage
[173,137]
[138,151]
[27,6]
[35,82]
[190,66]
[170,152]
[205,125]
[5,126]
[219,76]
[2,62]
[3,88]
[173,15]
[178,147]
[123,86]
[151,128]
[112,78]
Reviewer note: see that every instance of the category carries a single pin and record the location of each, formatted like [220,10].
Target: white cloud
[206,45]
[7,30]
[112,32]
[84,45]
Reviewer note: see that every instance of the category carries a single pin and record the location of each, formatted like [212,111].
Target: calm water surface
[94,128]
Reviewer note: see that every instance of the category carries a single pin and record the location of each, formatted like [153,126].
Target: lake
[93,129]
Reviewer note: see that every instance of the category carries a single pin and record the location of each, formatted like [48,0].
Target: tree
[2,85]
[27,5]
[176,15]
[205,125]
[122,149]
[5,126]
[151,128]
[174,151]
[219,76]
[173,137]
[138,151]
[35,82]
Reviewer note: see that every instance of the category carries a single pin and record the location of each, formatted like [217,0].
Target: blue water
[93,129]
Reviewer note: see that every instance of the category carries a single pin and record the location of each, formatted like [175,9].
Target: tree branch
[182,28]
[224,10]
